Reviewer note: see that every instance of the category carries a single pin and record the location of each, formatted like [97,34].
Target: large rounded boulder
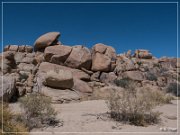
[46,40]
[59,79]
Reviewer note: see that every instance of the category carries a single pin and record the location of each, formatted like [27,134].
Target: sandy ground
[90,118]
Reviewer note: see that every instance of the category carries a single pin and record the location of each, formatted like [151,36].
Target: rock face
[62,79]
[70,73]
[46,40]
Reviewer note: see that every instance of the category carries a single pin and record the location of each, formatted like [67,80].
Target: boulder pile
[70,73]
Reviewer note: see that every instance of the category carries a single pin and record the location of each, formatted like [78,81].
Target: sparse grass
[9,124]
[38,111]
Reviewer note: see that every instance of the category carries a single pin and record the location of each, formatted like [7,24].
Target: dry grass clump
[10,125]
[38,111]
[135,106]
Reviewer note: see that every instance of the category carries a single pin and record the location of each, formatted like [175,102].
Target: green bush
[174,88]
[124,83]
[9,124]
[38,111]
[151,76]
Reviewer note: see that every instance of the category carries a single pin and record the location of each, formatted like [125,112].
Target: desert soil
[90,118]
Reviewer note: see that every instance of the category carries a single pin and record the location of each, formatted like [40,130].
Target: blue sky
[123,26]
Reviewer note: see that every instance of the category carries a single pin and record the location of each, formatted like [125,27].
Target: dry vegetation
[10,125]
[38,111]
[135,106]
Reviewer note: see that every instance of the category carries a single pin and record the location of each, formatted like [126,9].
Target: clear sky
[123,26]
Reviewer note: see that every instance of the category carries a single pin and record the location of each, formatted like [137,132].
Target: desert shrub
[159,97]
[151,76]
[10,126]
[124,83]
[134,107]
[174,88]
[38,111]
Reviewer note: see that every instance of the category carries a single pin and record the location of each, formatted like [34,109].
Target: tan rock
[108,78]
[6,48]
[82,86]
[57,54]
[61,96]
[28,49]
[62,79]
[134,75]
[100,48]
[46,67]
[101,62]
[13,48]
[21,48]
[79,57]
[46,40]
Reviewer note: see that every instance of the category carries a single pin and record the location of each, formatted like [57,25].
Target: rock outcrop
[70,73]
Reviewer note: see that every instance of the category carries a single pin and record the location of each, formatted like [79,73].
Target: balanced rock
[46,40]
[61,79]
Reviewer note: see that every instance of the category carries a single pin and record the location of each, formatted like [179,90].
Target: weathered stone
[82,86]
[134,75]
[46,67]
[108,78]
[6,48]
[28,49]
[13,48]
[46,40]
[79,57]
[101,62]
[111,53]
[95,76]
[25,67]
[61,96]
[21,48]
[57,54]
[62,79]
[100,48]
[19,56]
